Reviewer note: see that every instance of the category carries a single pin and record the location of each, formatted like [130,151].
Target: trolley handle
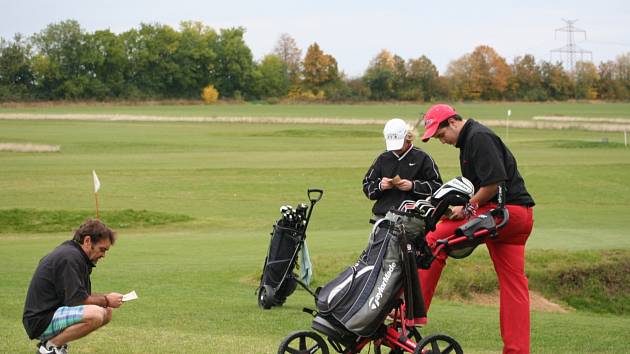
[503,214]
[315,194]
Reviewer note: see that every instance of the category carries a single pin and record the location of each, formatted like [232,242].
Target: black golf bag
[277,281]
[362,295]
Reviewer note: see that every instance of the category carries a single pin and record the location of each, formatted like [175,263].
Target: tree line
[154,61]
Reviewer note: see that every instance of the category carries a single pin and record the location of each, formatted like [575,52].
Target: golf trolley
[277,281]
[397,327]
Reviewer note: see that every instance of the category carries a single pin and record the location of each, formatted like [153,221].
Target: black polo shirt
[62,278]
[484,159]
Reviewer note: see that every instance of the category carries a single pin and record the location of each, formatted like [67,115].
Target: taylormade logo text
[374,300]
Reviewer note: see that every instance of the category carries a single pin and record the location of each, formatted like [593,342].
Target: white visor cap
[395,131]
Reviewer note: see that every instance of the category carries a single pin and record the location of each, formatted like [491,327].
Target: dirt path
[537,302]
[16,147]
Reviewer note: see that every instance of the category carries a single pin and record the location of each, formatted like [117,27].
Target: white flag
[97,183]
[509,112]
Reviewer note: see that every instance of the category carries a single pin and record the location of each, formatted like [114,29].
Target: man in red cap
[487,162]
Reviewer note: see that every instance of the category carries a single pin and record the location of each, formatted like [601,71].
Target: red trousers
[507,252]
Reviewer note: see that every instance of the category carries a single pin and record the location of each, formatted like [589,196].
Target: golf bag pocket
[362,295]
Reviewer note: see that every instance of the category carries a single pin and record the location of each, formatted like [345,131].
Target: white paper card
[130,296]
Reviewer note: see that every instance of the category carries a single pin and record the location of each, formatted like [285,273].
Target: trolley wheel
[438,344]
[265,297]
[303,342]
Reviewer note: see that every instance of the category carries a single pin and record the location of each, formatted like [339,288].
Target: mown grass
[195,297]
[41,221]
[411,111]
[194,278]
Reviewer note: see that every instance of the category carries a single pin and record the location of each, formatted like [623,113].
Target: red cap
[432,119]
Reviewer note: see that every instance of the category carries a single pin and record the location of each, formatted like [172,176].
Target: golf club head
[424,207]
[456,186]
[301,210]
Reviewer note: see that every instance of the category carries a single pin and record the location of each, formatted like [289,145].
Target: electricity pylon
[571,50]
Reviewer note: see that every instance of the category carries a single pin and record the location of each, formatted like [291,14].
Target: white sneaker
[49,348]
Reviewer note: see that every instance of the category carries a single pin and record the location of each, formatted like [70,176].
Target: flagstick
[96,198]
[97,186]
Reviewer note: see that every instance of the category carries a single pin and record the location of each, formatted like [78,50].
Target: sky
[354,31]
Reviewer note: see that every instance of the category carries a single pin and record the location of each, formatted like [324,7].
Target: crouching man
[60,306]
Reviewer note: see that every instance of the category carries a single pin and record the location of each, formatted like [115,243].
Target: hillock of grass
[595,281]
[33,220]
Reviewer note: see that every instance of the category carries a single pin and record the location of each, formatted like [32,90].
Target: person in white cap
[402,172]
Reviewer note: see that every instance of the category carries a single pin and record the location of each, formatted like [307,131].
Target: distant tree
[614,78]
[155,71]
[196,57]
[183,75]
[274,81]
[490,71]
[357,89]
[68,63]
[381,75]
[556,81]
[16,76]
[400,76]
[622,74]
[235,70]
[461,84]
[586,80]
[133,45]
[319,69]
[287,50]
[108,65]
[482,74]
[608,87]
[526,80]
[58,65]
[340,89]
[422,79]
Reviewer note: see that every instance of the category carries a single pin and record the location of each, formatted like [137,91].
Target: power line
[571,49]
[608,43]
